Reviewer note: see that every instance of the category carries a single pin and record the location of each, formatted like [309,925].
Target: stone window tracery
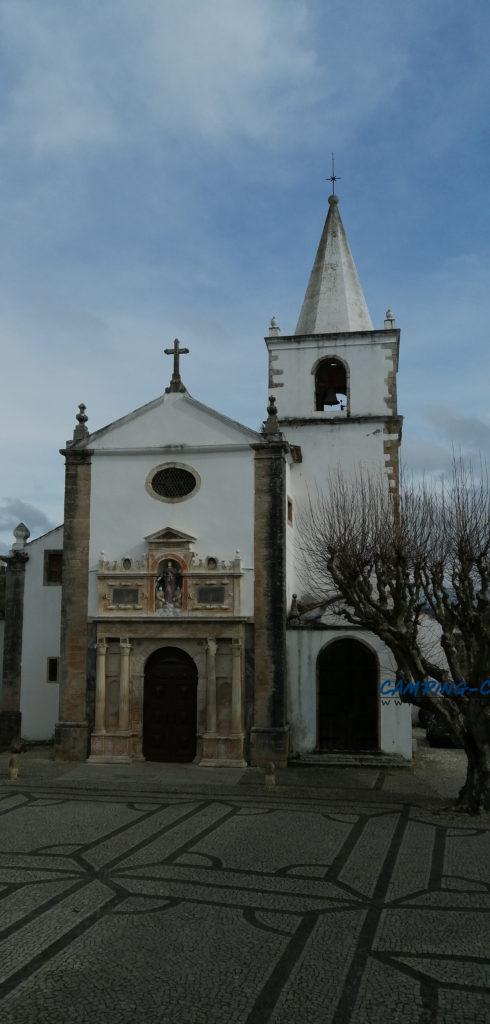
[172,482]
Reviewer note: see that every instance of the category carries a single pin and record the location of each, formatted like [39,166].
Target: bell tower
[335,378]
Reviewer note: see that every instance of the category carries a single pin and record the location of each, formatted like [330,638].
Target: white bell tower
[334,379]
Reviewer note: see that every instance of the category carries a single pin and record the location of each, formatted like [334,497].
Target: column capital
[211,645]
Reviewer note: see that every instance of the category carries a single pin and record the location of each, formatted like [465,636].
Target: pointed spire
[334,300]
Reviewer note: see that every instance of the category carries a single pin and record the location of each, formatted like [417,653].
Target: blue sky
[163,174]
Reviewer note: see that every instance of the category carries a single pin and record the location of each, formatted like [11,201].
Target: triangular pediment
[169,536]
[171,419]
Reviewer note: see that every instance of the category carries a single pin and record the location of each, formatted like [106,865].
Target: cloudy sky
[163,174]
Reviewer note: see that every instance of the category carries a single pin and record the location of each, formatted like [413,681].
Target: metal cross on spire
[333,177]
[176,382]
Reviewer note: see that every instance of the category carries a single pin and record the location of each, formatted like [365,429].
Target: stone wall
[71,733]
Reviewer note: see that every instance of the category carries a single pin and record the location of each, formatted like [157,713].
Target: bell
[331,397]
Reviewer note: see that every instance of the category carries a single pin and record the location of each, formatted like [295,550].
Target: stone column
[269,737]
[71,732]
[10,715]
[125,648]
[100,679]
[236,688]
[211,685]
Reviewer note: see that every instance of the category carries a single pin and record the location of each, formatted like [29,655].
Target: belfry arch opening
[331,386]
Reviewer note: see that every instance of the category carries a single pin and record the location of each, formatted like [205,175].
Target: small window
[290,511]
[52,670]
[125,595]
[211,595]
[53,568]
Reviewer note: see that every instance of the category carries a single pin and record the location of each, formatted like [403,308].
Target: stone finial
[274,329]
[81,430]
[389,320]
[21,534]
[271,424]
[294,612]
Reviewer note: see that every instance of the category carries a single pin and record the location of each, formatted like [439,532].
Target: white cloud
[14,511]
[163,172]
[95,75]
[469,432]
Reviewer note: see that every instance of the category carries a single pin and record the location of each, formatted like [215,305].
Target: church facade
[167,618]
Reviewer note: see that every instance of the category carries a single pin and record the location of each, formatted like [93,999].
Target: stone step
[358,760]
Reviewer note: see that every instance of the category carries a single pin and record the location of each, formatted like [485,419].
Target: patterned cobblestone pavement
[123,901]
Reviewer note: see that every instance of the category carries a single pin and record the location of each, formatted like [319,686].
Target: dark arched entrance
[347,697]
[170,706]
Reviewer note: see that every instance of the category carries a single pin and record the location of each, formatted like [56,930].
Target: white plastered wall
[369,358]
[40,641]
[219,514]
[304,646]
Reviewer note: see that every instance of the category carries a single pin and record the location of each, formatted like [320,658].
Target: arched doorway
[347,697]
[170,706]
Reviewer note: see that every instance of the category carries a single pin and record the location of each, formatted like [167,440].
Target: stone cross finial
[81,429]
[333,177]
[176,382]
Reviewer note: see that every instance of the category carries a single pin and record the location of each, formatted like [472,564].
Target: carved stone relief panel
[169,582]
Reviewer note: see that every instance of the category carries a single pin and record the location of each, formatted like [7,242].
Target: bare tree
[414,569]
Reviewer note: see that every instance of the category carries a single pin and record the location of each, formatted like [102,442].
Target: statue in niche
[168,589]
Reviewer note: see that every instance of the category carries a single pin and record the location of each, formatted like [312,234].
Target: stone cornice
[321,421]
[173,449]
[15,559]
[77,454]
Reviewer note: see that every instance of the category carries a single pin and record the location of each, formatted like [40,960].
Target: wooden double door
[170,706]
[347,697]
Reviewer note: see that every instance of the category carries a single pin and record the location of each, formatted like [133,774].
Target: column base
[70,741]
[269,745]
[222,750]
[115,748]
[10,726]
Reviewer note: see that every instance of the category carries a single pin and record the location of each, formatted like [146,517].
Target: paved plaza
[156,894]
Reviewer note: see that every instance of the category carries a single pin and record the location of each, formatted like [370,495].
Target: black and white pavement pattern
[121,904]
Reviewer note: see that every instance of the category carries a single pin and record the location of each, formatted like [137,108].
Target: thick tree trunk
[472,730]
[474,796]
